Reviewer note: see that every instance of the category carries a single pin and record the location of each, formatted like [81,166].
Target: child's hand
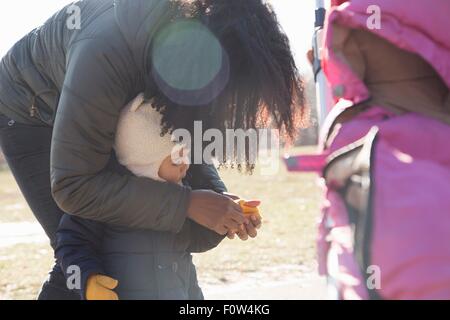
[101,287]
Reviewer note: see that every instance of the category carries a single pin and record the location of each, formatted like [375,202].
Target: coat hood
[420,27]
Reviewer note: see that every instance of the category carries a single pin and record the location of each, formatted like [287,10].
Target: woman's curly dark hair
[264,86]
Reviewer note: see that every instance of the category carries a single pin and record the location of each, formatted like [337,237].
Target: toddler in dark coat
[116,262]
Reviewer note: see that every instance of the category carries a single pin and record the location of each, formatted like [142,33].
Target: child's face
[173,172]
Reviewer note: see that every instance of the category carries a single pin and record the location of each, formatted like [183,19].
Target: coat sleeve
[204,177]
[95,89]
[78,242]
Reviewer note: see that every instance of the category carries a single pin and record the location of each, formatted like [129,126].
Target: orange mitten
[101,287]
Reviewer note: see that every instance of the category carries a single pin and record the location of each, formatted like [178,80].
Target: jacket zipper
[34,111]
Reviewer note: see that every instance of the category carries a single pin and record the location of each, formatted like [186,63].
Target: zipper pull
[33,111]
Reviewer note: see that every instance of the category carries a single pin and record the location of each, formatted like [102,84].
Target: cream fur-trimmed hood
[138,143]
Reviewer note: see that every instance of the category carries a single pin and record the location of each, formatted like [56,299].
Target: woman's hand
[215,211]
[249,229]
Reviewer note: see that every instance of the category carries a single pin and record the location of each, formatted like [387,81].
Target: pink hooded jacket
[410,229]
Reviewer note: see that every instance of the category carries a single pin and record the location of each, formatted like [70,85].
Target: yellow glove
[101,287]
[250,207]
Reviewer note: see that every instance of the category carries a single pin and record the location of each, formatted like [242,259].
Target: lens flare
[189,64]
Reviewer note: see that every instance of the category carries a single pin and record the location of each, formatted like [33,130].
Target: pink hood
[418,26]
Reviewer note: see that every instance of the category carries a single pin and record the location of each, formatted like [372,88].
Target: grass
[285,244]
[23,268]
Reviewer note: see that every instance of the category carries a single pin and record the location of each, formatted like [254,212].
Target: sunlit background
[20,16]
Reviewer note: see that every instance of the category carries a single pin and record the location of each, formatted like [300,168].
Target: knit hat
[138,143]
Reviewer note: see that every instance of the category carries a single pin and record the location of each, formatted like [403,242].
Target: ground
[279,264]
